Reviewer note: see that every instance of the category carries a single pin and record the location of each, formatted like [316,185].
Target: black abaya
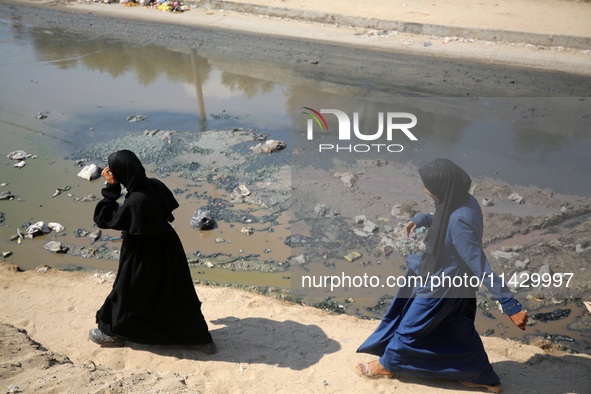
[153,300]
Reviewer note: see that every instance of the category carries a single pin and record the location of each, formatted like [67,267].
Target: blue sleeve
[423,220]
[468,246]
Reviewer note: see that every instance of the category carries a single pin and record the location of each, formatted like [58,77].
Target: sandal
[364,370]
[493,388]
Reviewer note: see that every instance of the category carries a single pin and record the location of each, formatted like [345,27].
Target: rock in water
[90,172]
[56,247]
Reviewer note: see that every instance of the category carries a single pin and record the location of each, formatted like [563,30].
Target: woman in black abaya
[153,300]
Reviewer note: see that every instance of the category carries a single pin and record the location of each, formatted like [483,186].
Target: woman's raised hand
[108,175]
[409,228]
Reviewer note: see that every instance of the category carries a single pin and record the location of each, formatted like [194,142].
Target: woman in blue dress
[429,329]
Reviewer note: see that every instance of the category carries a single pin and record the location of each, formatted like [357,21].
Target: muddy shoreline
[382,71]
[554,228]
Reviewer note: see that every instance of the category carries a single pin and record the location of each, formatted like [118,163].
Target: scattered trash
[38,228]
[487,202]
[20,164]
[517,198]
[298,260]
[41,115]
[137,118]
[324,211]
[246,230]
[587,305]
[244,190]
[269,147]
[6,195]
[6,254]
[202,220]
[352,256]
[95,235]
[427,44]
[18,155]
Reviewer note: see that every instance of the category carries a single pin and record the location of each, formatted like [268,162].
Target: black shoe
[100,338]
[208,348]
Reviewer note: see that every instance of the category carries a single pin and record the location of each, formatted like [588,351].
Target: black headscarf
[148,203]
[127,169]
[451,184]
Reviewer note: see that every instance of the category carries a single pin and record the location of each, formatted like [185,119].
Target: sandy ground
[265,345]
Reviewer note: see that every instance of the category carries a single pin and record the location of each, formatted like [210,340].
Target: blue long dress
[430,331]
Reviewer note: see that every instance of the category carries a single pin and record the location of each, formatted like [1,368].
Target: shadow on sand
[287,344]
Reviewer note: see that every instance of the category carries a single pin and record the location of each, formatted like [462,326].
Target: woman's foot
[373,370]
[100,338]
[493,388]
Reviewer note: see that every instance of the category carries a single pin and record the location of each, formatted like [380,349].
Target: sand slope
[265,345]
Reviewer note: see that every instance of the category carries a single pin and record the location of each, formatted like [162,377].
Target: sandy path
[265,345]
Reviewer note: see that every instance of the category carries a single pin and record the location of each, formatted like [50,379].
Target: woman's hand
[108,176]
[409,228]
[520,319]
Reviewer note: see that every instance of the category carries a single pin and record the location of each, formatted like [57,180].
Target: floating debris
[6,254]
[6,195]
[38,228]
[20,164]
[517,198]
[247,230]
[137,118]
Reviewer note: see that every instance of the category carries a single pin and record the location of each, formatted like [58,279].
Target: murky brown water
[88,88]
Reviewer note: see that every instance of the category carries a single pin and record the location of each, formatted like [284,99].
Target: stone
[90,172]
[324,211]
[56,247]
[360,219]
[269,147]
[95,235]
[370,226]
[246,230]
[298,260]
[348,178]
[56,227]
